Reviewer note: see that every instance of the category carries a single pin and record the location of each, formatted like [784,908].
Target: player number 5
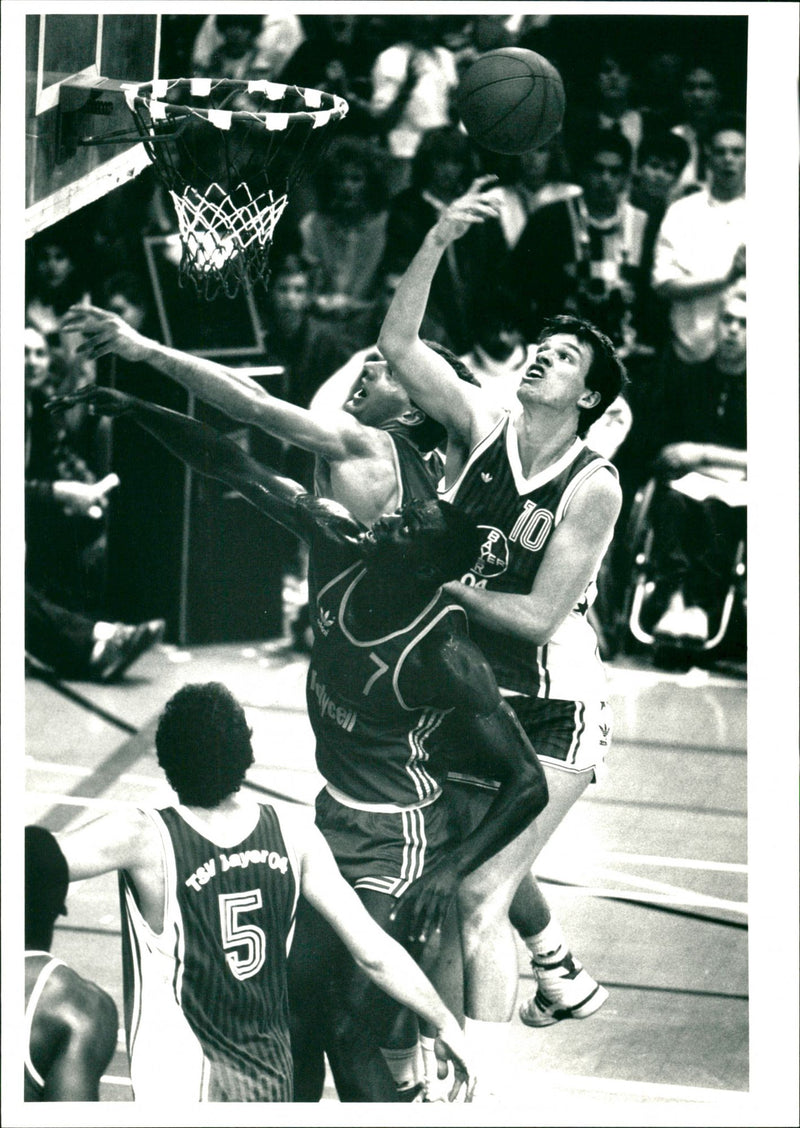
[248,940]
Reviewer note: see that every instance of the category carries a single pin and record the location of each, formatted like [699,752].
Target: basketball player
[374,451]
[547,506]
[70,1023]
[390,660]
[208,891]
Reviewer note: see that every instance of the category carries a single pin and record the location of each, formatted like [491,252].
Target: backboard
[61,177]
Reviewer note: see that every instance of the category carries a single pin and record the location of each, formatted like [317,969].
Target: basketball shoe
[565,990]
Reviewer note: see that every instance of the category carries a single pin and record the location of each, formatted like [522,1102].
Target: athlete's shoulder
[596,496]
[77,1002]
[453,669]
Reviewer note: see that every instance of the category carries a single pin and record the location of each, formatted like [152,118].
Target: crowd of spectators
[633,216]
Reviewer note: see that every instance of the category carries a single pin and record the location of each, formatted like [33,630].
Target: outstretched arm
[215,456]
[484,737]
[464,410]
[381,957]
[330,434]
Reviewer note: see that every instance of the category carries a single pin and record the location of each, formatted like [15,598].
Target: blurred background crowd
[633,216]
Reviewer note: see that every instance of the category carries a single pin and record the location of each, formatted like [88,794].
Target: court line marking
[687,898]
[79,771]
[674,863]
[647,883]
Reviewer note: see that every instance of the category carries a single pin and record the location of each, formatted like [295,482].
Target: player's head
[46,881]
[425,542]
[731,329]
[575,366]
[203,744]
[378,399]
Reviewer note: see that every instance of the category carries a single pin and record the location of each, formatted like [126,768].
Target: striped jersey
[418,472]
[206,1008]
[518,515]
[372,745]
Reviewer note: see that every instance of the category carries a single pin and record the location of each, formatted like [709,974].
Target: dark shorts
[379,850]
[571,736]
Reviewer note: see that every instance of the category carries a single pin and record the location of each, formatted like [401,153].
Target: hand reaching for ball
[475,206]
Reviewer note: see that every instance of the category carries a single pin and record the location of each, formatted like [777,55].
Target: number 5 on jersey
[249,938]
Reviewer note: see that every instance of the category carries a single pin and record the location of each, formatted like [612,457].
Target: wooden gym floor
[648,876]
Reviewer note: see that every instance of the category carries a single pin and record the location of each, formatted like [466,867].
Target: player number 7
[382,668]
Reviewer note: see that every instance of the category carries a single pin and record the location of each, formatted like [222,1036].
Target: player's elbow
[394,340]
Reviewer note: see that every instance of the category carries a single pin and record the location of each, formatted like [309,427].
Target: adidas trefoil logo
[486,476]
[324,621]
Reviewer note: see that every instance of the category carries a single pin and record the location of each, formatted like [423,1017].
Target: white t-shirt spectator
[698,239]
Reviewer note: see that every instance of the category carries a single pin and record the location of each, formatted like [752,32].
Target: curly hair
[203,744]
[606,373]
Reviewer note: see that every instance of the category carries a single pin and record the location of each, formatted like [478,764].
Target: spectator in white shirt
[700,249]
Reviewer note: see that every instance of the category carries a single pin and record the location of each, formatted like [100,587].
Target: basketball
[511,100]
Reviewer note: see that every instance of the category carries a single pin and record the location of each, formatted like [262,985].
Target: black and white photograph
[386,461]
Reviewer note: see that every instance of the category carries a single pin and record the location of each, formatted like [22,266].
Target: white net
[225,244]
[228,152]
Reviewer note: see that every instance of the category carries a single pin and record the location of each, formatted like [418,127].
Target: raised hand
[475,206]
[103,333]
[100,401]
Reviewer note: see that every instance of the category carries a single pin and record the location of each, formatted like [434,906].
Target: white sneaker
[566,990]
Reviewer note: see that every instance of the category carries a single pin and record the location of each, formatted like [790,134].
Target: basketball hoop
[228,151]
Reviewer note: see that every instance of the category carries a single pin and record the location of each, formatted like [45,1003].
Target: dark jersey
[372,744]
[206,1000]
[419,472]
[519,515]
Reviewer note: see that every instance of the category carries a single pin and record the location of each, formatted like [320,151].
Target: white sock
[404,1065]
[548,946]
